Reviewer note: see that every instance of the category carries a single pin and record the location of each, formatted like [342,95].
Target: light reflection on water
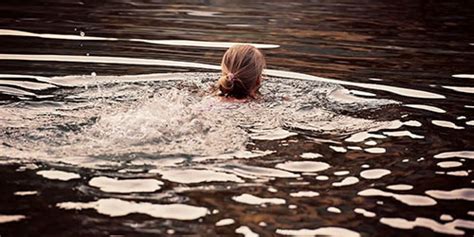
[153,153]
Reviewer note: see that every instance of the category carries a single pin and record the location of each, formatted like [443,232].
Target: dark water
[366,128]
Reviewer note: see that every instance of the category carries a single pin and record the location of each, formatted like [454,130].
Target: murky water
[108,126]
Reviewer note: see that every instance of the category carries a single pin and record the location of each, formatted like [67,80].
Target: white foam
[171,121]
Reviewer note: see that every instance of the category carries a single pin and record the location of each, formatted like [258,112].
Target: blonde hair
[242,67]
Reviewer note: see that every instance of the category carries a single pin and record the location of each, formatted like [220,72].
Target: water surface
[108,126]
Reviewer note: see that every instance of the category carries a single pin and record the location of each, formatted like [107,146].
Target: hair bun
[231,76]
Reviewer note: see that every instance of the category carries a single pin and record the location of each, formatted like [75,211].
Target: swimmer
[242,67]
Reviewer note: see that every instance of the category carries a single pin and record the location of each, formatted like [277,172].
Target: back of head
[242,67]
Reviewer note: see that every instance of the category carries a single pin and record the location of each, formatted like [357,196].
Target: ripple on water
[446,228]
[400,187]
[25,193]
[112,185]
[254,200]
[189,176]
[375,150]
[224,222]
[469,76]
[453,154]
[322,177]
[446,217]
[342,172]
[409,199]
[456,194]
[117,207]
[11,218]
[459,173]
[364,212]
[303,166]
[403,134]
[58,175]
[426,107]
[374,173]
[446,124]
[339,149]
[310,155]
[334,210]
[346,182]
[271,134]
[322,231]
[464,89]
[248,171]
[449,164]
[246,231]
[305,194]
[361,136]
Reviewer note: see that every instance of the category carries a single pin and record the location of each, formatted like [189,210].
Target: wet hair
[242,67]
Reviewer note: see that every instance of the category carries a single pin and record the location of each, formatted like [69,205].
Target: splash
[129,118]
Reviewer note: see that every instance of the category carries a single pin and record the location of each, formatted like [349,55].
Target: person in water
[242,67]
